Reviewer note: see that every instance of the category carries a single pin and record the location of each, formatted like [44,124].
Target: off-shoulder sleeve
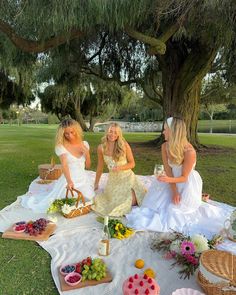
[86,144]
[60,150]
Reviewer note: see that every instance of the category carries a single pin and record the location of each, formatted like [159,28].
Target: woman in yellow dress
[123,189]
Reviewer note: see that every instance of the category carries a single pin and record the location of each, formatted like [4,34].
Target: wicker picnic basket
[81,207]
[50,171]
[222,265]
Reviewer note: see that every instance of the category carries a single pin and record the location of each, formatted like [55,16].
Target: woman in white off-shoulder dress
[74,156]
[173,201]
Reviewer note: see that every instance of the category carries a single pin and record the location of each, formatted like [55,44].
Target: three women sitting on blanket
[123,189]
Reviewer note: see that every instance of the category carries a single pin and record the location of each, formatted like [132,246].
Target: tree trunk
[80,119]
[182,73]
[92,122]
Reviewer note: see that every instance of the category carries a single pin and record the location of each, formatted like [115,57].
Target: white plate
[187,291]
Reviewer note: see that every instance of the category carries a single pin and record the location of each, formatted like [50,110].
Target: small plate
[187,291]
[70,275]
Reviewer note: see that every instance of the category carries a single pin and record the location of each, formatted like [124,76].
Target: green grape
[86,267]
[94,275]
[83,278]
[84,272]
[89,277]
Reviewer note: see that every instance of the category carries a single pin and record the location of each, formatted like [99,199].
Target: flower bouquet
[117,229]
[185,250]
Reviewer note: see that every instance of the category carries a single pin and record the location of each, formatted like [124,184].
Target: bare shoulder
[99,149]
[189,149]
[164,147]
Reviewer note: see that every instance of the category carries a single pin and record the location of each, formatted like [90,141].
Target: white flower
[175,246]
[66,209]
[200,242]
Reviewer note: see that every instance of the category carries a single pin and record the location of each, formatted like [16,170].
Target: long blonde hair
[60,137]
[177,140]
[119,147]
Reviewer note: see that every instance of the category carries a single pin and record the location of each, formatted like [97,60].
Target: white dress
[190,216]
[40,196]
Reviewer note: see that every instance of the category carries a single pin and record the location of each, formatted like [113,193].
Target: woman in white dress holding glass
[173,201]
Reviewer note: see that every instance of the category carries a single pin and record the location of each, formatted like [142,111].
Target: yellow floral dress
[116,200]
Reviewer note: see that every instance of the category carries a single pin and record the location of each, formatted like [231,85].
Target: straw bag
[50,171]
[81,207]
[220,266]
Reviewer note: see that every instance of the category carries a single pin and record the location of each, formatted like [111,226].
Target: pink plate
[74,275]
[187,291]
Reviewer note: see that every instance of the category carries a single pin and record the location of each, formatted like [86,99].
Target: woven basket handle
[80,196]
[53,163]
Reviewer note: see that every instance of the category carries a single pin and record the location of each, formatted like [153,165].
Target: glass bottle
[104,243]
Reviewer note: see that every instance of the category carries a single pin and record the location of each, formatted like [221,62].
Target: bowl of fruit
[66,269]
[73,278]
[19,227]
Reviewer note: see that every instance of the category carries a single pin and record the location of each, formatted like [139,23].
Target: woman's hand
[70,185]
[164,178]
[95,186]
[116,169]
[176,198]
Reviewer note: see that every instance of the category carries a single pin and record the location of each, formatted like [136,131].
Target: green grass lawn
[23,148]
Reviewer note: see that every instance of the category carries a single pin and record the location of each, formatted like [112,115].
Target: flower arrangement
[58,204]
[117,229]
[185,250]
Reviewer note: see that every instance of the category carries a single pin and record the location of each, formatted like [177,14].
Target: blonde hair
[119,147]
[60,137]
[177,140]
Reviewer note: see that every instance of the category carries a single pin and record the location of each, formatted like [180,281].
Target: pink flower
[187,247]
[170,255]
[193,260]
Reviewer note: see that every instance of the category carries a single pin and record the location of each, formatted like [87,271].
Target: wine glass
[158,170]
[111,165]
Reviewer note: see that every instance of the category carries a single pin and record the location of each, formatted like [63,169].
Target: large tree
[183,38]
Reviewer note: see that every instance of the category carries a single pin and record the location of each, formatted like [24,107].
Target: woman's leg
[134,199]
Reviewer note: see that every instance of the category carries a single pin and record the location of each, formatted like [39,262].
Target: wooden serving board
[87,283]
[11,234]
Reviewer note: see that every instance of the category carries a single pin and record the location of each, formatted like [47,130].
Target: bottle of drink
[104,243]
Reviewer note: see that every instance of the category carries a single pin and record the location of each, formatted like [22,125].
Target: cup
[158,170]
[111,165]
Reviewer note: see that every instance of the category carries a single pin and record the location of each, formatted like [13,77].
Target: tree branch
[37,46]
[157,45]
[106,78]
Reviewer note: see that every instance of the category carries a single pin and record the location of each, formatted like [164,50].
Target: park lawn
[25,266]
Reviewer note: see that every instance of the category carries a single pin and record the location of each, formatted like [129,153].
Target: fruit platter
[38,230]
[87,272]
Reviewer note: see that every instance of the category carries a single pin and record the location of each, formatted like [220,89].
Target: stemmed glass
[111,165]
[158,170]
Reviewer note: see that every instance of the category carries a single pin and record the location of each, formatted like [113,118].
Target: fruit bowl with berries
[73,279]
[66,269]
[19,227]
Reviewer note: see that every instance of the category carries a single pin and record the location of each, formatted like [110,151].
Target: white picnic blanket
[77,238]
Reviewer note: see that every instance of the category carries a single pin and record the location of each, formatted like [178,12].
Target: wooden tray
[87,283]
[11,234]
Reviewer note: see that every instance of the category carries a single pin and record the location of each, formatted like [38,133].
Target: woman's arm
[99,167]
[168,171]
[130,160]
[87,156]
[66,171]
[188,163]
